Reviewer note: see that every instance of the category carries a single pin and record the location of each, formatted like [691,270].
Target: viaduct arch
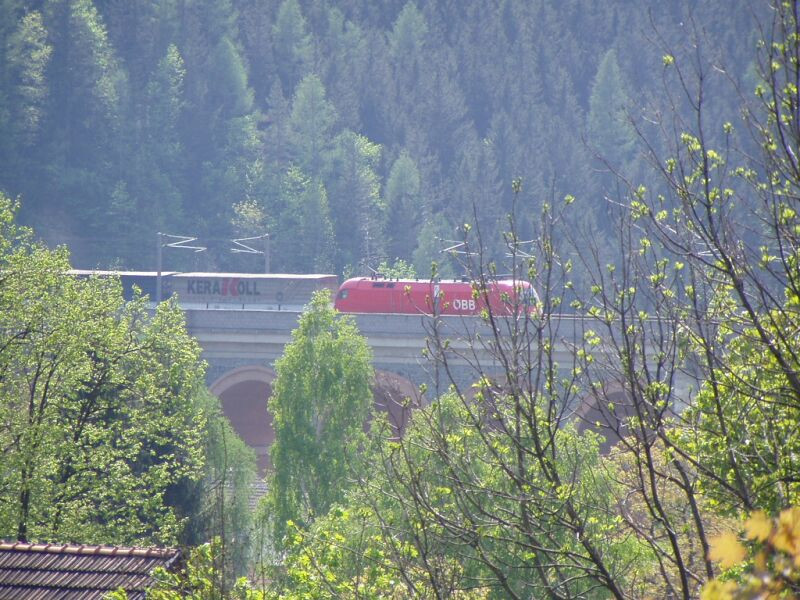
[243,394]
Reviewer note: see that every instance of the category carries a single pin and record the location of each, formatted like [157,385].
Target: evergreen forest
[351,131]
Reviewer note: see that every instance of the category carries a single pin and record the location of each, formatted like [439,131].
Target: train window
[378,284]
[390,285]
[343,294]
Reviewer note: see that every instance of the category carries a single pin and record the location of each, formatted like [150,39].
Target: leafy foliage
[762,449]
[440,513]
[98,402]
[773,569]
[198,579]
[217,506]
[320,402]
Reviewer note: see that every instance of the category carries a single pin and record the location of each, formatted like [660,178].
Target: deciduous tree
[320,403]
[98,404]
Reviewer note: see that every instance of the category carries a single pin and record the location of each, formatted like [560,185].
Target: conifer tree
[228,92]
[404,208]
[310,125]
[609,130]
[357,206]
[344,60]
[303,236]
[28,57]
[291,45]
[85,150]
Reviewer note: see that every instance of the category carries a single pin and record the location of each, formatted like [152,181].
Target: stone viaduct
[241,347]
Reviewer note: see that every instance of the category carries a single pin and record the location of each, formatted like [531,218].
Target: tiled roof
[73,572]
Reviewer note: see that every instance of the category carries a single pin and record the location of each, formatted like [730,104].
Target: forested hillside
[646,446]
[350,130]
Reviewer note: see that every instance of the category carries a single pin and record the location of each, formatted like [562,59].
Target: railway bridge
[243,321]
[241,346]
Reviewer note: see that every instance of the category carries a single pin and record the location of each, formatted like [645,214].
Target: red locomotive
[446,297]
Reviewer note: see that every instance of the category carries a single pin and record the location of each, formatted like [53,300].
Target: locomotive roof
[428,281]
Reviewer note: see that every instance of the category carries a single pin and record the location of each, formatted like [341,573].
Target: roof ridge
[88,549]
